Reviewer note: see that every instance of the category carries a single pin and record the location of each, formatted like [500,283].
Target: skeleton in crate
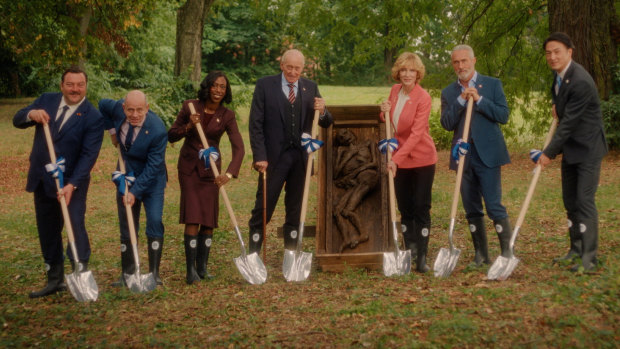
[356,171]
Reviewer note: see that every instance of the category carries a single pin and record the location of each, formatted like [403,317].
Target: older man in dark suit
[581,140]
[487,153]
[282,109]
[77,132]
[143,138]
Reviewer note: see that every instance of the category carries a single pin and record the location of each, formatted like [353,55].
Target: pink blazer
[415,145]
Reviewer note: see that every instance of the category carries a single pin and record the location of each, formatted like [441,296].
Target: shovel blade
[446,261]
[82,286]
[502,268]
[296,266]
[251,268]
[397,263]
[140,283]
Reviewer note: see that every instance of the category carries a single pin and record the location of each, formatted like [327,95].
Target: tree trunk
[589,23]
[190,23]
[84,22]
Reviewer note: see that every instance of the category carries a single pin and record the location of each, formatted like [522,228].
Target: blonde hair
[405,59]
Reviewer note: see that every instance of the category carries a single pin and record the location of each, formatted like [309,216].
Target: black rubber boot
[54,282]
[255,241]
[589,238]
[504,233]
[155,249]
[479,238]
[128,266]
[423,234]
[290,234]
[410,237]
[202,255]
[190,259]
[575,243]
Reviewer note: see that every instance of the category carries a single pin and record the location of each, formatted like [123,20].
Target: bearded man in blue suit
[487,148]
[143,138]
[76,128]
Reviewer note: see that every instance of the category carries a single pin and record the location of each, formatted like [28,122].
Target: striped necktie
[61,118]
[291,93]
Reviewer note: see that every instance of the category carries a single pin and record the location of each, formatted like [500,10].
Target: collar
[471,82]
[563,72]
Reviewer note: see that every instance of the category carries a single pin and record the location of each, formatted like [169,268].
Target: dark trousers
[154,210]
[50,223]
[414,194]
[579,184]
[288,172]
[480,181]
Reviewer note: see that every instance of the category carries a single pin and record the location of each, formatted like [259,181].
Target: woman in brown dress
[199,187]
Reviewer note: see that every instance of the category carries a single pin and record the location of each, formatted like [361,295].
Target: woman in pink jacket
[413,162]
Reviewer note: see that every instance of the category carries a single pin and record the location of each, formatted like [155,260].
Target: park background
[166,47]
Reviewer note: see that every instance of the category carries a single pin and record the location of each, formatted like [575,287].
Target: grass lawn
[540,305]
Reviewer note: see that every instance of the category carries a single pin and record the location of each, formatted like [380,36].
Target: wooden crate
[363,121]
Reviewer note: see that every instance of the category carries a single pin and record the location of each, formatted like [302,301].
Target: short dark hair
[207,83]
[74,69]
[560,37]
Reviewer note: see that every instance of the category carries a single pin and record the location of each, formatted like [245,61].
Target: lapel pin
[304,89]
[78,114]
[567,81]
[218,119]
[146,132]
[480,86]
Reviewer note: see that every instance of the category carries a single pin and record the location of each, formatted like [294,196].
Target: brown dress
[199,194]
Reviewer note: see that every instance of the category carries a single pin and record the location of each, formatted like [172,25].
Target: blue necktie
[129,138]
[558,81]
[60,118]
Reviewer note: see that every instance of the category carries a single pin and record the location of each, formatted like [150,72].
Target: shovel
[82,285]
[135,282]
[504,266]
[265,215]
[447,257]
[250,266]
[397,262]
[296,265]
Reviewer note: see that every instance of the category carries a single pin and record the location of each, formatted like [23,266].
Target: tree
[190,23]
[589,23]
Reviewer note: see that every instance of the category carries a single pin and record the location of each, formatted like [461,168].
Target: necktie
[291,93]
[60,118]
[558,81]
[129,138]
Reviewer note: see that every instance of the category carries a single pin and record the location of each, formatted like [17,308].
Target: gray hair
[464,47]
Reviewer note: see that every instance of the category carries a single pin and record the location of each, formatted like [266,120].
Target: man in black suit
[282,109]
[581,140]
[77,132]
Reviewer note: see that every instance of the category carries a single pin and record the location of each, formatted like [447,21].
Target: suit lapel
[277,87]
[74,119]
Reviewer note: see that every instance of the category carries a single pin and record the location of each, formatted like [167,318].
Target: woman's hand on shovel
[67,192]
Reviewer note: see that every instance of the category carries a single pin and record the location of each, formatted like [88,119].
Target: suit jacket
[415,145]
[486,116]
[267,124]
[214,127]
[147,155]
[579,136]
[78,142]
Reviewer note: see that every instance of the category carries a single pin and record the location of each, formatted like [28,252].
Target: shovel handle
[132,228]
[391,190]
[532,187]
[264,215]
[63,202]
[216,172]
[459,172]
[304,200]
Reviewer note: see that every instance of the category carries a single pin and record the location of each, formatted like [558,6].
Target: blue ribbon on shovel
[56,170]
[384,144]
[460,148]
[535,155]
[119,179]
[309,144]
[204,155]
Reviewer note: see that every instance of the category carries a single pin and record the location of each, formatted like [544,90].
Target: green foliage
[611,115]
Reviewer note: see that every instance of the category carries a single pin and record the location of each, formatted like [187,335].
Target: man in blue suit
[487,152]
[77,131]
[282,109]
[581,140]
[143,138]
